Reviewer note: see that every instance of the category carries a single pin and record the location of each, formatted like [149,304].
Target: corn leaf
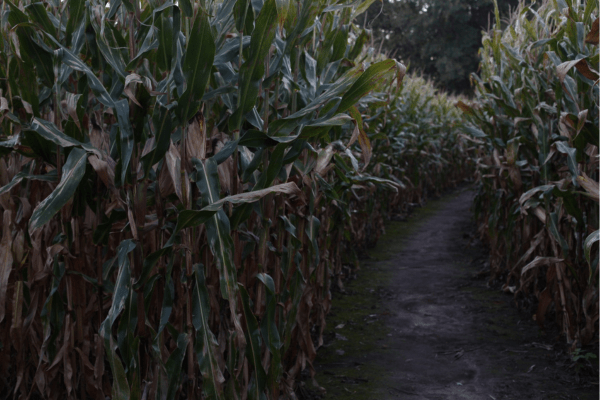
[72,173]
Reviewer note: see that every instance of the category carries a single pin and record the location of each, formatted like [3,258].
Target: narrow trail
[418,323]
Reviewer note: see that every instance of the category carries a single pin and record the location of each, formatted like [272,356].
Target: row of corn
[181,184]
[535,117]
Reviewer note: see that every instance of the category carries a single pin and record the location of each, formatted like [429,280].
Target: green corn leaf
[164,54]
[50,132]
[122,286]
[256,138]
[225,152]
[37,12]
[571,154]
[72,173]
[126,340]
[364,6]
[336,89]
[76,14]
[206,343]
[340,42]
[174,364]
[149,263]
[29,48]
[186,7]
[196,67]
[358,45]
[310,73]
[240,14]
[111,54]
[283,8]
[218,235]
[253,353]
[252,70]
[270,333]
[49,177]
[66,57]
[120,386]
[375,74]
[275,164]
[168,298]
[161,119]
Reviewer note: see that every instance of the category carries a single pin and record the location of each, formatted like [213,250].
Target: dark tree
[440,38]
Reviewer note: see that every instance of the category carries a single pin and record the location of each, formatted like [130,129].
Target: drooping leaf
[50,132]
[72,173]
[375,74]
[206,343]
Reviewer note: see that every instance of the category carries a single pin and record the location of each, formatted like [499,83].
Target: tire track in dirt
[416,323]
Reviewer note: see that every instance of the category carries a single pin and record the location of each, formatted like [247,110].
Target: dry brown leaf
[539,261]
[355,134]
[70,104]
[134,79]
[585,70]
[590,186]
[462,135]
[540,213]
[465,108]
[592,36]
[515,176]
[3,107]
[401,73]
[536,242]
[196,138]
[16,329]
[325,157]
[581,66]
[98,137]
[148,146]
[248,197]
[104,171]
[165,183]
[67,364]
[6,260]
[18,247]
[224,170]
[173,160]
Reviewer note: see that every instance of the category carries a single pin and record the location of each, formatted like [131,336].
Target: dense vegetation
[439,38]
[181,183]
[536,115]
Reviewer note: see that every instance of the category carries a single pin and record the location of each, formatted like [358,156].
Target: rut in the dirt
[419,324]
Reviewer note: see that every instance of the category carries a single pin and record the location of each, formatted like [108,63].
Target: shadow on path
[417,323]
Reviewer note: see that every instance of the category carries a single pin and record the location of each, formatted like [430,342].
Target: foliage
[180,183]
[439,38]
[536,114]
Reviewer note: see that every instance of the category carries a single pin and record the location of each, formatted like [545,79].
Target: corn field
[535,117]
[181,185]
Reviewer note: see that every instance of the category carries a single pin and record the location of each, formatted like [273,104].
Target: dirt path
[418,324]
